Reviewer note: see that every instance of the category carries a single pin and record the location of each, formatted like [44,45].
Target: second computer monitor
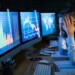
[29,25]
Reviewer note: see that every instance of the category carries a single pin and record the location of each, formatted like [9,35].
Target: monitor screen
[48,23]
[30,28]
[9,31]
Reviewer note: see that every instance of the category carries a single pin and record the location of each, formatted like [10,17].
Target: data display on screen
[29,25]
[48,23]
[9,32]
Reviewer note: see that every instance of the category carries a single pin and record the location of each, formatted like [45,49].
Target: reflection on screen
[29,25]
[9,33]
[48,23]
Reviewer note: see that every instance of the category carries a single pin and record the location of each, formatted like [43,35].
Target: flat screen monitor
[48,23]
[30,28]
[9,31]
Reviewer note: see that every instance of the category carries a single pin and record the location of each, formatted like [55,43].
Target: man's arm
[71,48]
[62,43]
[62,40]
[71,43]
[70,29]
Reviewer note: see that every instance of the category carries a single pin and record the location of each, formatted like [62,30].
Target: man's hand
[69,25]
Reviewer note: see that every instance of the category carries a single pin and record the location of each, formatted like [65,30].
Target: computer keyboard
[65,73]
[42,69]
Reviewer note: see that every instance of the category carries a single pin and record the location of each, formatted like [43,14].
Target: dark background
[40,5]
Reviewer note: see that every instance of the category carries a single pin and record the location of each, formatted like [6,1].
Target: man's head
[69,15]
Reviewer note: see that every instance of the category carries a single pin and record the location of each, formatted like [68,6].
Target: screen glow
[9,32]
[29,25]
[48,23]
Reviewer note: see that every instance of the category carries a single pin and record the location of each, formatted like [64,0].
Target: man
[63,35]
[67,22]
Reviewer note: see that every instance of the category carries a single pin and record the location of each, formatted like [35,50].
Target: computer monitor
[30,28]
[29,25]
[48,23]
[9,31]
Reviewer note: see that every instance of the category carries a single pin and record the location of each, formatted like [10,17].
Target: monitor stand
[31,55]
[29,52]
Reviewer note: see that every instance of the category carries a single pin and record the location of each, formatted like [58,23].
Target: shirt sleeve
[71,42]
[62,43]
[71,48]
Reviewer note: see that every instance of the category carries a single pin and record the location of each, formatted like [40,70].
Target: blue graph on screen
[29,25]
[5,30]
[48,23]
[8,25]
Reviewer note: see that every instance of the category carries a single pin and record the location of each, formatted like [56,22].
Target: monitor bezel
[23,42]
[11,49]
[41,24]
